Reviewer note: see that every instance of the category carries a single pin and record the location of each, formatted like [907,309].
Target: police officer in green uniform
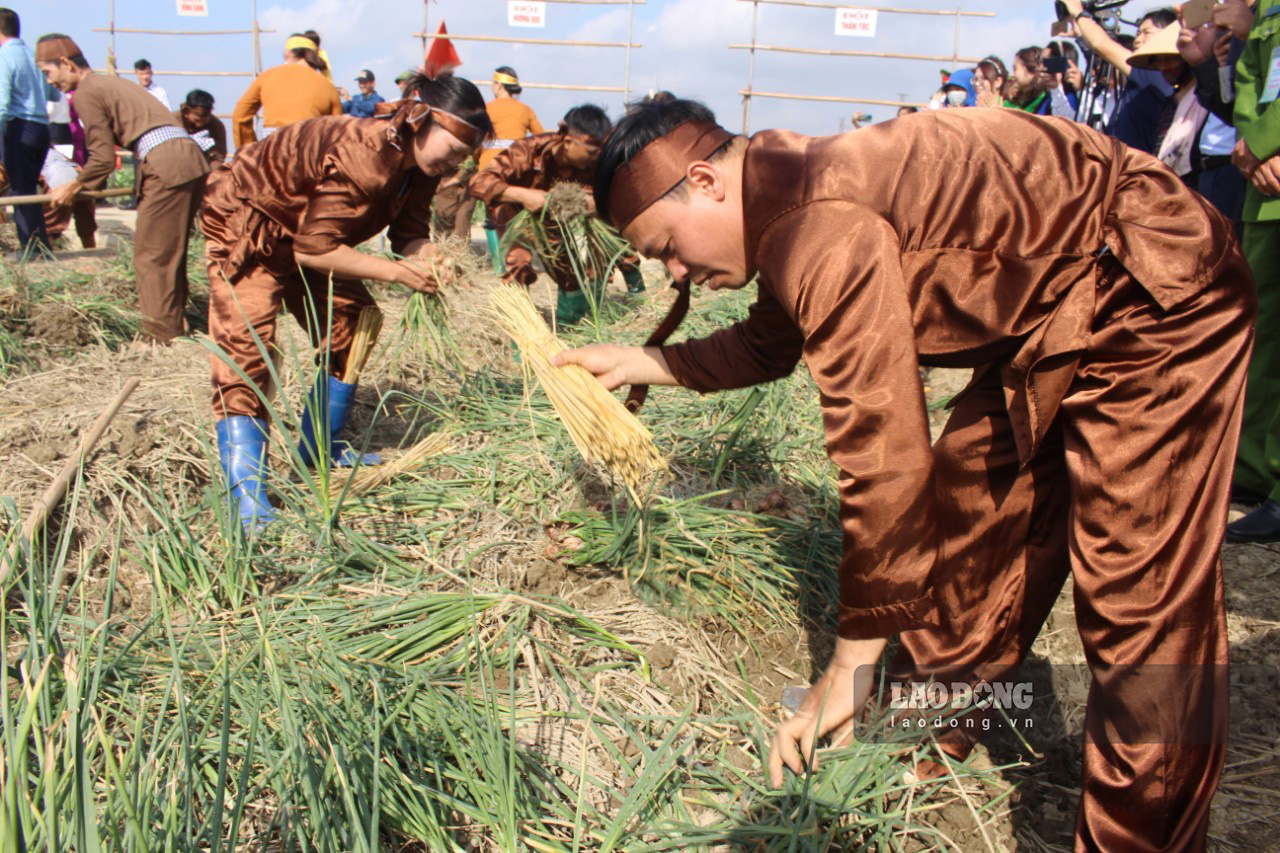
[1257,154]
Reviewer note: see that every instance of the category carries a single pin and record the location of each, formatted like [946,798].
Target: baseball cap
[365,76]
[404,75]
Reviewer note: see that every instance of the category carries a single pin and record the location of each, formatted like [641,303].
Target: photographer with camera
[1144,93]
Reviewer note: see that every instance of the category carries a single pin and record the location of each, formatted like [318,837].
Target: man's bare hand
[1234,15]
[416,276]
[1244,160]
[833,701]
[1266,178]
[63,195]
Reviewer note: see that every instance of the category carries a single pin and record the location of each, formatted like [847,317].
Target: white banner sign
[194,8]
[856,22]
[526,13]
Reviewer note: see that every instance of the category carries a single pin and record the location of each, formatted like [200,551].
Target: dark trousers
[26,144]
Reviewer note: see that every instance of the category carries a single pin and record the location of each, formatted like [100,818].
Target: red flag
[441,57]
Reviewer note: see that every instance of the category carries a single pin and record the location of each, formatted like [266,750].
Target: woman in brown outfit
[1108,315]
[283,217]
[172,168]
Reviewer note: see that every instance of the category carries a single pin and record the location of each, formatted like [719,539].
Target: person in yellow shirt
[287,93]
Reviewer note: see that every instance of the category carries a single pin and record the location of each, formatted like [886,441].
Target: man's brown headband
[660,167]
[51,50]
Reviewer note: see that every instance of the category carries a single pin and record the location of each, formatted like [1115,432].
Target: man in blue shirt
[25,122]
[364,103]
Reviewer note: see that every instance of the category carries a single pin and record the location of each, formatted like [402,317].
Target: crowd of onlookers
[1166,89]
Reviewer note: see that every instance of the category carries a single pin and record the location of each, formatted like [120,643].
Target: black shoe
[128,204]
[1260,525]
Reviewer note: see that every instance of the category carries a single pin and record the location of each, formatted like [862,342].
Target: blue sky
[684,47]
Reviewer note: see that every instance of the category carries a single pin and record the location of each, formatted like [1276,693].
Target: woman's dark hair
[513,89]
[78,60]
[199,99]
[643,123]
[588,120]
[314,36]
[453,95]
[312,58]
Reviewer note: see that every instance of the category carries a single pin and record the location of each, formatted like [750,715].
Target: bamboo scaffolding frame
[625,89]
[192,73]
[549,42]
[870,53]
[559,86]
[813,4]
[837,99]
[749,92]
[178,32]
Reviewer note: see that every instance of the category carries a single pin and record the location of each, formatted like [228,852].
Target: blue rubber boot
[242,450]
[330,404]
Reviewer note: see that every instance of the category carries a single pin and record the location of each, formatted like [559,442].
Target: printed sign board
[526,13]
[194,8]
[856,22]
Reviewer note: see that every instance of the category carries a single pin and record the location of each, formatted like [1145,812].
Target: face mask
[956,99]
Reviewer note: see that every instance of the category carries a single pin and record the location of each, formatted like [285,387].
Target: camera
[1105,12]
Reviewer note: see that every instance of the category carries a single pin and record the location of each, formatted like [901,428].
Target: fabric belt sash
[149,140]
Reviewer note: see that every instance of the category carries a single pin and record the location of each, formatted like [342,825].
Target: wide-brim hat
[1160,46]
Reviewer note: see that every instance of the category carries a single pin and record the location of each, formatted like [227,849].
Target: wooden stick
[180,32]
[505,40]
[42,199]
[871,53]
[746,93]
[815,5]
[53,495]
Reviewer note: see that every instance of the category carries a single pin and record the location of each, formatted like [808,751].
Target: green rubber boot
[571,306]
[491,237]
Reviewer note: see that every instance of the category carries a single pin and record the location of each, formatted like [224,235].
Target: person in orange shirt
[286,93]
[512,120]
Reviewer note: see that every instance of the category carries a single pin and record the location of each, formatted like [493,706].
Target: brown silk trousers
[1129,495]
[252,306]
[165,217]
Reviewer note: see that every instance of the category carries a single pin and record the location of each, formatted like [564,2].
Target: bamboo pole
[812,4]
[833,99]
[626,77]
[868,53]
[257,39]
[42,199]
[555,42]
[194,73]
[558,86]
[179,32]
[751,71]
[58,488]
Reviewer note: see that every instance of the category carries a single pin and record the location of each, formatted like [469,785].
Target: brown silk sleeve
[339,207]
[508,169]
[841,266]
[763,347]
[99,139]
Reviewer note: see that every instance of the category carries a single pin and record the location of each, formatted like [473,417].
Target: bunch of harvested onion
[605,433]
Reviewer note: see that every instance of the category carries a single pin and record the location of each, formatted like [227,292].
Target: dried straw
[605,433]
[368,327]
[366,479]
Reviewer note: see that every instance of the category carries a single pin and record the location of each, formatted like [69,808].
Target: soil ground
[1028,806]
